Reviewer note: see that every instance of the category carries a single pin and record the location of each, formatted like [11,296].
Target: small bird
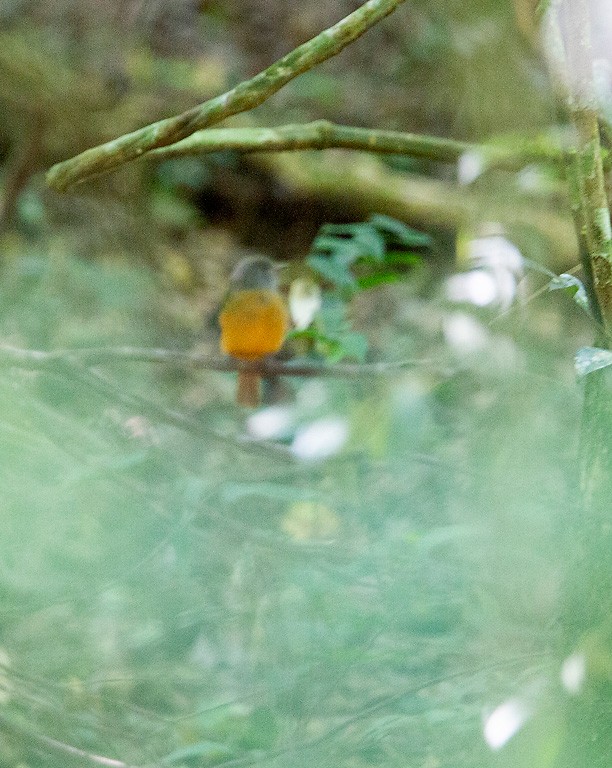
[254,321]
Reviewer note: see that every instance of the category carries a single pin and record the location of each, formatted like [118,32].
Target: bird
[254,321]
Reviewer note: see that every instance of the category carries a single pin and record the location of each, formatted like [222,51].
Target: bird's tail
[249,389]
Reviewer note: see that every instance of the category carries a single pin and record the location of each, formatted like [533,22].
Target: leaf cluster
[353,257]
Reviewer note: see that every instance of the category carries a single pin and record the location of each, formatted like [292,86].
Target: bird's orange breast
[253,324]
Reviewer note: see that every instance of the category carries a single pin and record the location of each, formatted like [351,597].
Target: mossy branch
[243,97]
[319,134]
[587,169]
[322,134]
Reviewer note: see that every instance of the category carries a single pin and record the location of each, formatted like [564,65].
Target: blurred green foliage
[368,571]
[194,600]
[350,258]
[371,247]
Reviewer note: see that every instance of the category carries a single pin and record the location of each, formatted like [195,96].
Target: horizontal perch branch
[245,96]
[74,365]
[69,368]
[322,134]
[271,367]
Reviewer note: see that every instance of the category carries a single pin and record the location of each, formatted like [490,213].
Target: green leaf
[364,239]
[331,269]
[330,348]
[371,243]
[333,348]
[403,258]
[340,229]
[336,348]
[402,233]
[333,313]
[325,244]
[575,286]
[354,345]
[347,251]
[309,333]
[590,359]
[380,278]
[338,247]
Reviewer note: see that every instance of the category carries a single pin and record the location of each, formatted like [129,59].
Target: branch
[73,365]
[29,358]
[572,31]
[245,96]
[322,134]
[70,368]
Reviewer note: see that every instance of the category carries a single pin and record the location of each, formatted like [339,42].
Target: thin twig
[59,746]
